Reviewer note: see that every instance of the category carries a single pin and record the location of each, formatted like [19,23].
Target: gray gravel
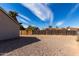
[41,45]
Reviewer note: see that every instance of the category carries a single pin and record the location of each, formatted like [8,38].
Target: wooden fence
[25,32]
[49,32]
[56,32]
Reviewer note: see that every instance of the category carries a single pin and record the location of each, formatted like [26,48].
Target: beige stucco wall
[8,29]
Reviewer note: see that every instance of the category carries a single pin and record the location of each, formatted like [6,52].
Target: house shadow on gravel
[9,45]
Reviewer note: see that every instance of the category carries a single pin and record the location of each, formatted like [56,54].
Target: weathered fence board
[51,32]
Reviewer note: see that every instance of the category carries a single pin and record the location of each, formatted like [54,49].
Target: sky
[43,15]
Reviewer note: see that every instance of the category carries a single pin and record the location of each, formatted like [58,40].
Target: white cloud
[68,15]
[23,21]
[59,23]
[73,10]
[40,10]
[25,26]
[25,17]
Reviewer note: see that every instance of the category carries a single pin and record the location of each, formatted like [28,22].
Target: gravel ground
[41,45]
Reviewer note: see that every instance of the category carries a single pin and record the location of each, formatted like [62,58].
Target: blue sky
[43,15]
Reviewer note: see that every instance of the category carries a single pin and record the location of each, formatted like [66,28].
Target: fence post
[77,35]
[20,32]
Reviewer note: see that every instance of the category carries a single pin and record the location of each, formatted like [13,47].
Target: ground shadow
[9,45]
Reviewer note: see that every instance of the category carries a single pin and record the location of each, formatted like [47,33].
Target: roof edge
[8,15]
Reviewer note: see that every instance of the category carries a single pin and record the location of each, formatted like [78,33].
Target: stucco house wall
[8,27]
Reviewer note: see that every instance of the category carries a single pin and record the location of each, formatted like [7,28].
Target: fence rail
[43,32]
[24,32]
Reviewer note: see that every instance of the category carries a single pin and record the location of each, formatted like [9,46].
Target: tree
[21,27]
[68,28]
[57,27]
[33,28]
[50,26]
[13,15]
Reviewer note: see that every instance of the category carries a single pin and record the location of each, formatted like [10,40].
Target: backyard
[41,45]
